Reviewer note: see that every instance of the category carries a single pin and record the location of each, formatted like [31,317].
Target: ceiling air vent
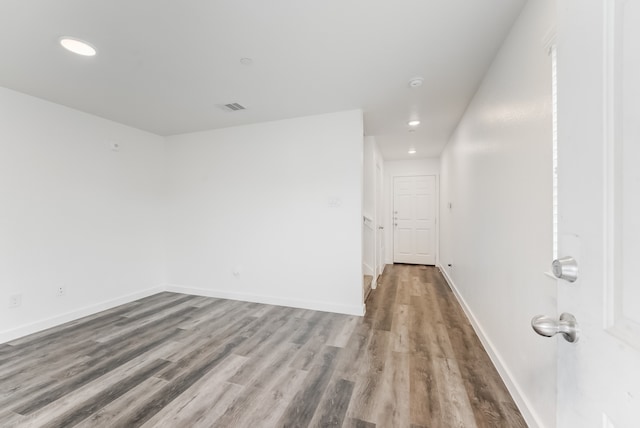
[233,107]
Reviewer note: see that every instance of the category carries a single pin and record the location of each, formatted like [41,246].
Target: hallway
[448,379]
[178,360]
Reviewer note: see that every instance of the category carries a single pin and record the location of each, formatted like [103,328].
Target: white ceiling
[165,65]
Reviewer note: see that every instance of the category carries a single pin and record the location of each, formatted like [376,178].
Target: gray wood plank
[121,408]
[333,405]
[263,405]
[100,400]
[400,329]
[368,378]
[180,384]
[340,336]
[454,401]
[304,404]
[392,401]
[89,373]
[205,401]
[425,405]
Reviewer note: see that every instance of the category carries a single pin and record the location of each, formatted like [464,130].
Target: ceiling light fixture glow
[414,122]
[412,151]
[77,46]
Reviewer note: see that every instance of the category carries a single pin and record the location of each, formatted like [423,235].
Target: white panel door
[414,220]
[599,207]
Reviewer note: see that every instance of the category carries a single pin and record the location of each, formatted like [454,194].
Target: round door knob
[549,327]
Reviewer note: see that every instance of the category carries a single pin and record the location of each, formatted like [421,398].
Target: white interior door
[599,205]
[414,219]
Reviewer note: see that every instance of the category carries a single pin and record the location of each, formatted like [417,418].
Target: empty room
[307,213]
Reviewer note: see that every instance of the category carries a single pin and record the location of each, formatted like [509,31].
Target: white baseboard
[521,401]
[367,269]
[272,300]
[8,335]
[34,327]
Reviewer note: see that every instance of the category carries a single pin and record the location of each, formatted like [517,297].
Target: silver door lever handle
[548,327]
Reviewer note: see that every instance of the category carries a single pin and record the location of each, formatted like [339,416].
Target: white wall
[496,172]
[74,213]
[257,200]
[369,177]
[426,166]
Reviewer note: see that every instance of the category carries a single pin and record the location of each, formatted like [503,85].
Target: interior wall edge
[525,407]
[44,324]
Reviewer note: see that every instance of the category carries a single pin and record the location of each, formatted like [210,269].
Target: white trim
[614,320]
[437,218]
[530,416]
[550,43]
[367,270]
[37,326]
[271,300]
[380,242]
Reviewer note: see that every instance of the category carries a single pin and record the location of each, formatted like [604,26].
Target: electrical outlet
[61,291]
[15,300]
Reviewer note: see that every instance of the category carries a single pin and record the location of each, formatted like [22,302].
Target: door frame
[389,235]
[379,220]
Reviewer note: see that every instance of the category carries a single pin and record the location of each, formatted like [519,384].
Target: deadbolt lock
[565,268]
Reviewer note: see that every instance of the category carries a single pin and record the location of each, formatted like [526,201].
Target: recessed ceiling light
[412,151]
[414,122]
[416,82]
[77,46]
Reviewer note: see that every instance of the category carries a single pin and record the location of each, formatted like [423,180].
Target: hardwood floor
[172,360]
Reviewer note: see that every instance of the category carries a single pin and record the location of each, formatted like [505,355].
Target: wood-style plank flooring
[173,360]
